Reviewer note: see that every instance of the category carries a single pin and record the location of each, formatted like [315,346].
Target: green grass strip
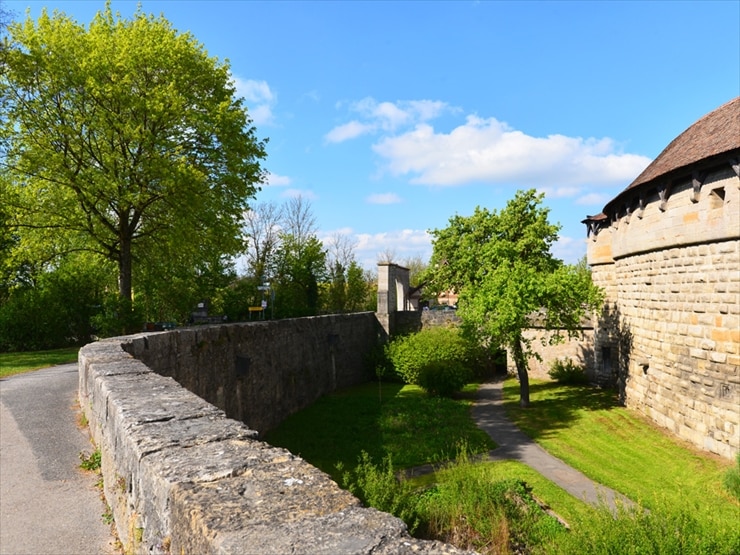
[17,363]
[621,449]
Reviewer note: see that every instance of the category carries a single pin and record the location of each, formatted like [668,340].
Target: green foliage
[482,514]
[53,308]
[731,479]
[235,299]
[567,372]
[126,140]
[439,359]
[669,529]
[361,289]
[91,461]
[377,486]
[501,265]
[336,294]
[169,291]
[444,378]
[300,267]
[117,316]
[348,289]
[465,507]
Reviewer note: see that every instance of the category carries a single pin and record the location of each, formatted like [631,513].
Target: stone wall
[670,332]
[182,477]
[579,349]
[261,372]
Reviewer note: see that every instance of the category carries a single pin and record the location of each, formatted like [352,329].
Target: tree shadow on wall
[614,349]
[558,407]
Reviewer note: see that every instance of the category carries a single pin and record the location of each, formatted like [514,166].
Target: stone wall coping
[180,477]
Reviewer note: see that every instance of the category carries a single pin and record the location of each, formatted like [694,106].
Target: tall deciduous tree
[501,265]
[126,139]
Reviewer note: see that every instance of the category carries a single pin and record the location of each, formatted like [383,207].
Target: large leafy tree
[500,263]
[125,139]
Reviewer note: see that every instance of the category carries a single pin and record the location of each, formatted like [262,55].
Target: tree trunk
[126,320]
[521,370]
[124,271]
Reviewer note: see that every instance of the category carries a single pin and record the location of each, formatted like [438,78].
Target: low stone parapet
[181,477]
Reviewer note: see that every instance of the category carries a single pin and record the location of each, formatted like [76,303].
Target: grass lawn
[619,448]
[584,426]
[560,501]
[388,419]
[16,363]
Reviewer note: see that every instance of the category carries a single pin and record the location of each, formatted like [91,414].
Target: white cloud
[275,180]
[384,198]
[377,116]
[260,99]
[560,192]
[486,150]
[404,243]
[594,199]
[347,131]
[569,250]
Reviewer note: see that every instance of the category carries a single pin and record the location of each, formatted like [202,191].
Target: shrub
[52,310]
[488,516]
[465,508]
[443,378]
[378,487]
[440,360]
[567,372]
[732,479]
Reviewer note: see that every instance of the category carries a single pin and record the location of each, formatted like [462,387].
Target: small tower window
[717,197]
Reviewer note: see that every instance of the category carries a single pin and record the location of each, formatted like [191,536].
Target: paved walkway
[48,505]
[488,412]
[490,416]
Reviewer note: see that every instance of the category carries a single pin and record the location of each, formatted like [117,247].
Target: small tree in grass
[502,268]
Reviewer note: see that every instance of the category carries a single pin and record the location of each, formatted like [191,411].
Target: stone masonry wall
[670,332]
[681,308]
[578,349]
[181,477]
[261,372]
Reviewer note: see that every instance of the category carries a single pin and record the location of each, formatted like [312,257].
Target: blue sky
[391,117]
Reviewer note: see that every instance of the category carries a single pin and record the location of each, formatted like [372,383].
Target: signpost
[264,288]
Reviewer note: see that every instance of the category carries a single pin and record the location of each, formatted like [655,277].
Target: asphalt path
[48,505]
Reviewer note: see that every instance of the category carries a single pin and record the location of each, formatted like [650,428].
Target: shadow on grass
[382,420]
[554,406]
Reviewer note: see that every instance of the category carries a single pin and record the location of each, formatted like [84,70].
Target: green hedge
[440,360]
